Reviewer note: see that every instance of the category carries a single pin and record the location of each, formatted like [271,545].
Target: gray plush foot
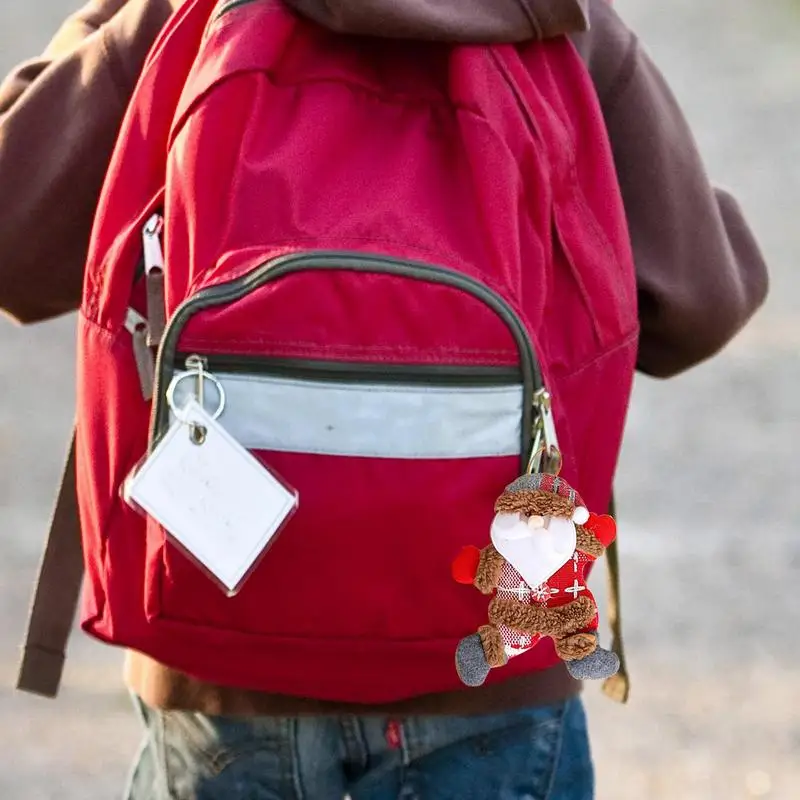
[471,662]
[596,666]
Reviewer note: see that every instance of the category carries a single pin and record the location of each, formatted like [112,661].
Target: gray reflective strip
[376,421]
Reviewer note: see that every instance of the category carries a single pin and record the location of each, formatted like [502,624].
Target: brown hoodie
[699,269]
[59,115]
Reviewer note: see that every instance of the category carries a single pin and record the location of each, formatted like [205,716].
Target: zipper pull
[138,328]
[545,453]
[154,279]
[198,366]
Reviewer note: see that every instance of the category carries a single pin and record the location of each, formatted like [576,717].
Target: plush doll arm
[588,543]
[596,534]
[480,568]
[533,619]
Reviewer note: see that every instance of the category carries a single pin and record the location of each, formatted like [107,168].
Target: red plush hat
[543,494]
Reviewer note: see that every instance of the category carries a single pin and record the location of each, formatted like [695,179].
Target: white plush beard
[536,553]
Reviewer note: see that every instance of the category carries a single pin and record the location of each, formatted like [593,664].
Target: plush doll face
[537,547]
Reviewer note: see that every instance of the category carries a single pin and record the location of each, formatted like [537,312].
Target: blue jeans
[532,754]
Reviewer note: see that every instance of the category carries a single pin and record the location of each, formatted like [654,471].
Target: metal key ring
[204,376]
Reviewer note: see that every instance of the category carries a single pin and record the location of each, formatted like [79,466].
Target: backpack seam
[620,344]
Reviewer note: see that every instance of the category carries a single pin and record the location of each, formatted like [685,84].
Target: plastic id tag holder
[216,502]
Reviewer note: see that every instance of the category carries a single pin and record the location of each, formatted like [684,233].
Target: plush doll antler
[543,538]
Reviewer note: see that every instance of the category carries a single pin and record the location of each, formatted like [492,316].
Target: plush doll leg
[493,646]
[477,654]
[574,646]
[581,651]
[596,664]
[585,659]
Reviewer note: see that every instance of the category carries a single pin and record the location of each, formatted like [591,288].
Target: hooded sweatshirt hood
[480,21]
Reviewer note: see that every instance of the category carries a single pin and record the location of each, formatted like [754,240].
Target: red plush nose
[603,527]
[465,567]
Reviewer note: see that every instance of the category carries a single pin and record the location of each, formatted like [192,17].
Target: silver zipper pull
[138,328]
[545,453]
[151,239]
[197,365]
[154,278]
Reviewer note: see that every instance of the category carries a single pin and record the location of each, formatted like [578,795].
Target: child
[694,254]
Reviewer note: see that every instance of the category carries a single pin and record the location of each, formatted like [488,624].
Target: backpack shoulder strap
[56,594]
[618,686]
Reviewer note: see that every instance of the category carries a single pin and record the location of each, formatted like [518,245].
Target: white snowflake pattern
[522,592]
[575,589]
[541,594]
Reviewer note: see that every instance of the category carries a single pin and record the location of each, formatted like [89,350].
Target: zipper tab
[151,238]
[154,278]
[545,453]
[138,328]
[197,365]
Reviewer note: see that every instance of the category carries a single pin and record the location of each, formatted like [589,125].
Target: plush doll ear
[465,566]
[603,527]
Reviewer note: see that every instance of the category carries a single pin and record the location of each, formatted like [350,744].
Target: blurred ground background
[706,488]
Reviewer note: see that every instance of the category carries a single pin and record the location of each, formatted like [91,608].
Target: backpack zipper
[153,259]
[345,372]
[140,270]
[282,266]
[146,332]
[268,402]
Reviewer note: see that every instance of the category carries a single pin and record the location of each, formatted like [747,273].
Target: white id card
[212,496]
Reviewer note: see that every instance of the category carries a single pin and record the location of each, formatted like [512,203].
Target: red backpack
[382,253]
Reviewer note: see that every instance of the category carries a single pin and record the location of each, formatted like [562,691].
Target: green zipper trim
[274,269]
[344,371]
[230,6]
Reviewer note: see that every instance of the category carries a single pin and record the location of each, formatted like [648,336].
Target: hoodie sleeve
[700,272]
[59,117]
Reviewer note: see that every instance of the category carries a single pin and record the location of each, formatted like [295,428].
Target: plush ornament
[542,540]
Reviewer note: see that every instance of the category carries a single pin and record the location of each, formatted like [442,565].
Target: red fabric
[286,138]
